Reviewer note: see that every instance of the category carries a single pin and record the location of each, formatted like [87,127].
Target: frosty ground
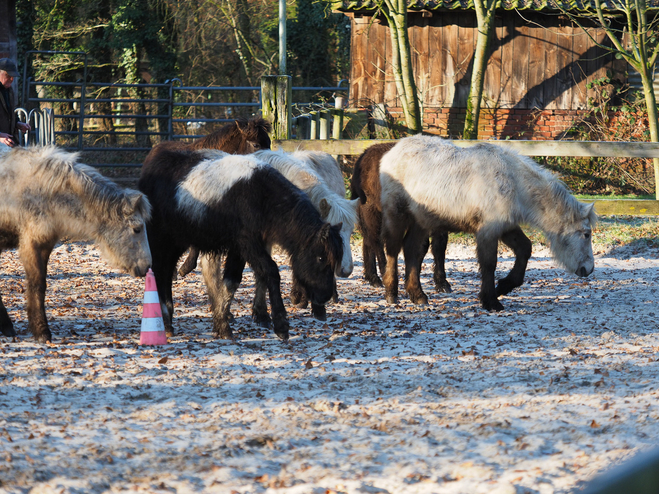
[445,398]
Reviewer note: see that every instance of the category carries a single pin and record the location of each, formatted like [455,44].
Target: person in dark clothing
[9,125]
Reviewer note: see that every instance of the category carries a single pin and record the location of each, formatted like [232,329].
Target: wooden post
[325,124]
[337,124]
[276,95]
[313,132]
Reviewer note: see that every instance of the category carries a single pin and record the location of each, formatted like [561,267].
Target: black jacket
[7,115]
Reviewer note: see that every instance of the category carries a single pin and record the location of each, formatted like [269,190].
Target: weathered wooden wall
[537,61]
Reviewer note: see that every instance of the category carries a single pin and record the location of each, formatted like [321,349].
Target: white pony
[430,186]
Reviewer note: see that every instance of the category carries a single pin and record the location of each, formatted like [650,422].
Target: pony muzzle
[583,272]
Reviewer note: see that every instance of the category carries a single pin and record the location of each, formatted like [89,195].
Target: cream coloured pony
[430,186]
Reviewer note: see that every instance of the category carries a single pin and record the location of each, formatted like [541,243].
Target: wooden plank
[505,39]
[377,55]
[450,58]
[518,50]
[536,84]
[564,57]
[437,89]
[358,42]
[465,48]
[390,90]
[580,45]
[525,148]
[551,67]
[420,55]
[493,81]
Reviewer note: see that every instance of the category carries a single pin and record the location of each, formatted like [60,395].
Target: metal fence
[97,116]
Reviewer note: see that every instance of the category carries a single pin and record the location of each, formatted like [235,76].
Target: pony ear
[137,202]
[325,208]
[324,232]
[590,213]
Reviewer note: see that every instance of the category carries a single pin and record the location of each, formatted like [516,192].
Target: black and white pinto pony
[235,207]
[45,196]
[430,186]
[318,175]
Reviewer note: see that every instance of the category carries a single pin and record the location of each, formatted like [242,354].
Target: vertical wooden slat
[420,55]
[580,45]
[436,91]
[357,61]
[492,83]
[565,56]
[551,66]
[450,57]
[509,54]
[465,54]
[519,50]
[537,49]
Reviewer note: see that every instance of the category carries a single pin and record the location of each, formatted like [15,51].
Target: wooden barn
[537,74]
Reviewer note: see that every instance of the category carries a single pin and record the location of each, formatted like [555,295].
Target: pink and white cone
[153,328]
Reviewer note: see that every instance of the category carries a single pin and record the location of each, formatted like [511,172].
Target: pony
[429,185]
[46,195]
[239,137]
[365,186]
[302,169]
[235,207]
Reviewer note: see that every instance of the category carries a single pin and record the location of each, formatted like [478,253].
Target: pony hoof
[391,299]
[443,287]
[302,304]
[225,334]
[262,321]
[44,338]
[282,335]
[8,330]
[420,300]
[319,312]
[495,306]
[374,282]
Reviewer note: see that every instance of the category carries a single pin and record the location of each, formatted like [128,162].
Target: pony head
[255,134]
[342,212]
[572,245]
[315,263]
[123,240]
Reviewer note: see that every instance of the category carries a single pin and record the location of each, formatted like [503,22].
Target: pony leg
[259,307]
[522,247]
[190,262]
[6,326]
[486,252]
[221,292]
[415,246]
[392,235]
[164,266]
[35,260]
[266,269]
[438,248]
[370,224]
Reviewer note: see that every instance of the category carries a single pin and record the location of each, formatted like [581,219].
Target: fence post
[276,95]
[337,124]
[325,117]
[313,132]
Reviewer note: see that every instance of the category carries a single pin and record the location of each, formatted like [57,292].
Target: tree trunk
[653,120]
[402,63]
[485,19]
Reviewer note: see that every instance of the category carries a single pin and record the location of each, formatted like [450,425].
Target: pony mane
[306,179]
[58,170]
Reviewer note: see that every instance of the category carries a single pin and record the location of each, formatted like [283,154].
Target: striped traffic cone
[153,329]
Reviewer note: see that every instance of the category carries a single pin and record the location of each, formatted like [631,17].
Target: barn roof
[366,6]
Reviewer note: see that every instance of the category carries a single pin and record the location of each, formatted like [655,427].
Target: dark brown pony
[365,185]
[239,137]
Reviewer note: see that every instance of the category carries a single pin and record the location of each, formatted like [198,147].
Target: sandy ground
[447,398]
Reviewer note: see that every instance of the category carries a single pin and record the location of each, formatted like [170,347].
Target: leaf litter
[380,398]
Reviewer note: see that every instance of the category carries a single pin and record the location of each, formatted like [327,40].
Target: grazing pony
[46,195]
[239,137]
[234,206]
[332,206]
[365,185]
[429,185]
